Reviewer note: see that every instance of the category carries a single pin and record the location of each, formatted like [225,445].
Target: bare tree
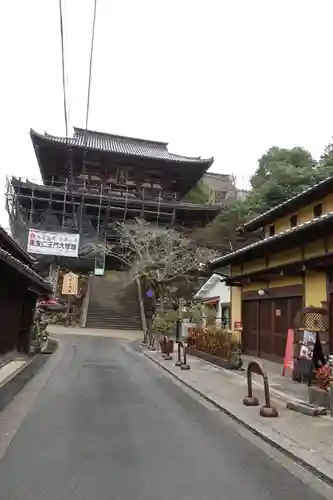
[157,255]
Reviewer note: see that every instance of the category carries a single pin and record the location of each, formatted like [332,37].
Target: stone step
[119,317]
[114,321]
[114,327]
[105,301]
[114,310]
[101,294]
[113,305]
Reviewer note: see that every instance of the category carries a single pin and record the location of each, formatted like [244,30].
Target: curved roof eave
[168,157]
[287,206]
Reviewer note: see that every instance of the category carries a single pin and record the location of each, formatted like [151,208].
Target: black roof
[25,270]
[10,245]
[13,254]
[310,195]
[130,146]
[308,231]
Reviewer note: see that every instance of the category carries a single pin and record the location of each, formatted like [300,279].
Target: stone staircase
[113,305]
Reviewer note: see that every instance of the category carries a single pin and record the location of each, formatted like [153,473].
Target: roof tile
[122,145]
[25,269]
[225,259]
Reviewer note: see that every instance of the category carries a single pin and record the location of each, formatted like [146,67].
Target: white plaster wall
[219,290]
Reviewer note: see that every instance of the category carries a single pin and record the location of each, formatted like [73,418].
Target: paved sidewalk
[309,440]
[278,384]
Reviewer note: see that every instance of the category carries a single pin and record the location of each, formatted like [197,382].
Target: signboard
[51,243]
[70,284]
[288,362]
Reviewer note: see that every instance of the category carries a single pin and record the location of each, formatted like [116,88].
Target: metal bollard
[266,410]
[151,341]
[144,342]
[167,353]
[167,348]
[179,361]
[184,365]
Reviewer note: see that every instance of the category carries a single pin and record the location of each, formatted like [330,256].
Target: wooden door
[281,323]
[266,323]
[250,327]
[285,310]
[265,329]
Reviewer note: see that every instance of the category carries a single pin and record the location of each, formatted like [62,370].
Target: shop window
[271,230]
[293,221]
[317,210]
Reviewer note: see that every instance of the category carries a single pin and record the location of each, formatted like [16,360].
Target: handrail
[142,309]
[86,301]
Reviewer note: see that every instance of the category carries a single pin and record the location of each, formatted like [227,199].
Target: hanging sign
[51,243]
[70,284]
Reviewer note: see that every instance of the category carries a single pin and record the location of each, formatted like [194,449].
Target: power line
[63,65]
[90,63]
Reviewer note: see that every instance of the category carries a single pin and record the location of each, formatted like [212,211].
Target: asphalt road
[109,425]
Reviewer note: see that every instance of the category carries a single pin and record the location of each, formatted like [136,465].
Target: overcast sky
[223,78]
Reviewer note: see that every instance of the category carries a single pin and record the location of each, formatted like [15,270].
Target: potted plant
[162,324]
[323,375]
[235,358]
[39,334]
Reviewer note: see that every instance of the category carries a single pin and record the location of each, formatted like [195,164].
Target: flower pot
[166,346]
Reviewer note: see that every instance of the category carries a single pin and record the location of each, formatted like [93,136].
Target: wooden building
[291,267]
[20,286]
[94,180]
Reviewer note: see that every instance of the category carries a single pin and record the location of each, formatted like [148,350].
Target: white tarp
[50,243]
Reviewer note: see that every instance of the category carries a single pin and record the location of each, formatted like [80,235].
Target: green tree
[276,160]
[199,194]
[325,164]
[281,174]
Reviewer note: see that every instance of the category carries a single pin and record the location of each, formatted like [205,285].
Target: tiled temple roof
[128,146]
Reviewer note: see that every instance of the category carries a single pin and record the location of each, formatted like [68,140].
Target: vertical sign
[70,284]
[289,352]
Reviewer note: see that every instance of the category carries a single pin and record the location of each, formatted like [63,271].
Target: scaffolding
[93,211]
